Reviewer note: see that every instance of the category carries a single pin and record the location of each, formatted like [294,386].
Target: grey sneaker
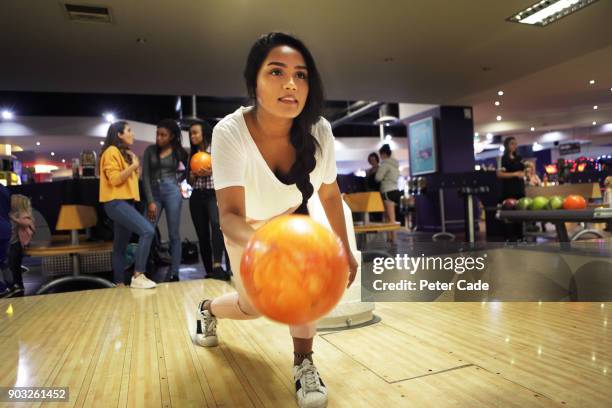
[310,391]
[206,336]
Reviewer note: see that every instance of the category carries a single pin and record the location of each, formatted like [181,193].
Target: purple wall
[455,145]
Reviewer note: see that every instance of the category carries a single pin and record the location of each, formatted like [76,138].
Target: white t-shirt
[236,161]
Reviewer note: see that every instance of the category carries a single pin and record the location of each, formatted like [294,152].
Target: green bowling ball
[539,203]
[555,203]
[524,203]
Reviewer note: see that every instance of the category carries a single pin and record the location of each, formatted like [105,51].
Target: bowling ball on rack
[539,203]
[555,203]
[509,204]
[574,202]
[524,203]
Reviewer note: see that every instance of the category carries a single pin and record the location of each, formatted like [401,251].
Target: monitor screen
[422,147]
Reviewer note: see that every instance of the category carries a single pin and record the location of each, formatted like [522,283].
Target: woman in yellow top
[118,191]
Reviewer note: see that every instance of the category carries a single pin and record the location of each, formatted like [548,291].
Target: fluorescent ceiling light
[545,12]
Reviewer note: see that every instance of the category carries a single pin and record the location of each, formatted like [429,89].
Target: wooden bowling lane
[559,350]
[133,348]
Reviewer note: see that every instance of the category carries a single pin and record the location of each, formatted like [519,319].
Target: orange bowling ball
[574,202]
[294,270]
[201,160]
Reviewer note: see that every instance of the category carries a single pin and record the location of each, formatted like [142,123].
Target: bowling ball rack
[559,217]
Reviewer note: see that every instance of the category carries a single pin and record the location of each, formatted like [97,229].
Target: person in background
[164,164]
[118,191]
[531,177]
[5,236]
[387,175]
[371,183]
[203,206]
[511,174]
[22,230]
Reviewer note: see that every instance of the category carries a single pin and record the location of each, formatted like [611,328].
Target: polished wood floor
[130,348]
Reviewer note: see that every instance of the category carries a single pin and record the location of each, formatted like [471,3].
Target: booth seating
[74,218]
[366,203]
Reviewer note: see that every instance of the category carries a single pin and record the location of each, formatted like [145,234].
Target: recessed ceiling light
[532,128]
[496,103]
[498,117]
[109,117]
[500,93]
[595,107]
[101,142]
[52,153]
[548,11]
[594,123]
[37,143]
[592,82]
[7,114]
[63,160]
[489,136]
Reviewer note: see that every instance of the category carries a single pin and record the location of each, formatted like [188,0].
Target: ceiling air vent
[88,13]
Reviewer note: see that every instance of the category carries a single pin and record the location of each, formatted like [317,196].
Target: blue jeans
[126,220]
[167,196]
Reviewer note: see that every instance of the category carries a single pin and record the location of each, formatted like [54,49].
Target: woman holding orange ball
[203,205]
[268,160]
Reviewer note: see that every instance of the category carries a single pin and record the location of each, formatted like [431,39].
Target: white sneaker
[309,388]
[142,282]
[206,336]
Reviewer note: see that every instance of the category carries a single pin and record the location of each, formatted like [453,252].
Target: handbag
[189,252]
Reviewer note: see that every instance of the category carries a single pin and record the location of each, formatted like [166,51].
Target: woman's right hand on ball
[203,172]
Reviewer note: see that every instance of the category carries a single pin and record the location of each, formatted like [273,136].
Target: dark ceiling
[153,108]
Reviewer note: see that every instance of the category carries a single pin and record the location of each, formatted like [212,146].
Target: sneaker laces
[210,325]
[308,373]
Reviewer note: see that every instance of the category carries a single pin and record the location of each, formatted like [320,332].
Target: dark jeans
[15,256]
[126,220]
[205,216]
[168,198]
